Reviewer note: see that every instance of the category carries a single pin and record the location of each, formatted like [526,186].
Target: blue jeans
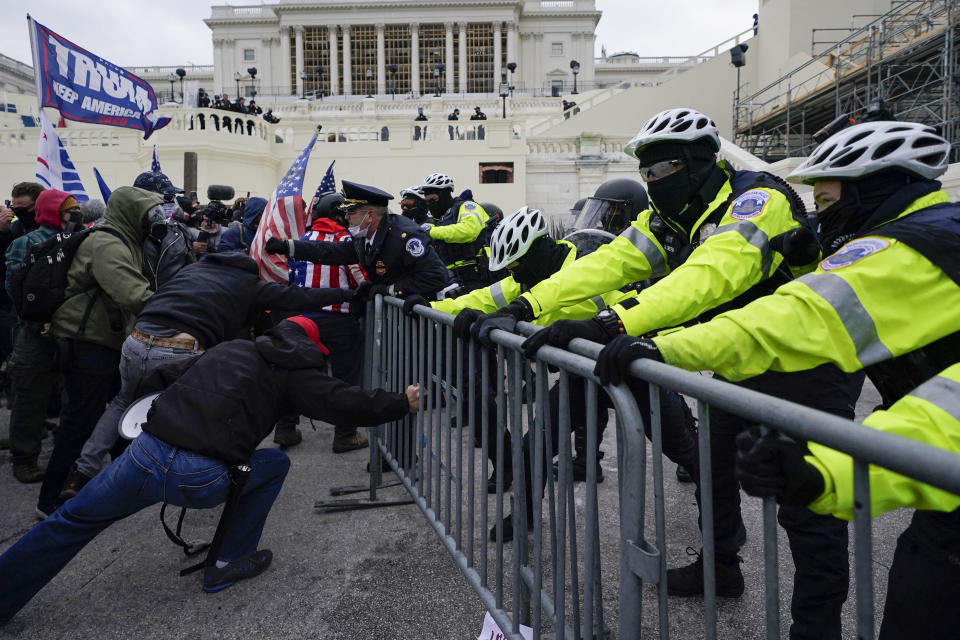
[148,472]
[137,361]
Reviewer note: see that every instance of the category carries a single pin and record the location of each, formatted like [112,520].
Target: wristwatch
[610,322]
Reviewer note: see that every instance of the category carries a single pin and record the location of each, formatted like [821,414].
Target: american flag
[284,218]
[327,185]
[155,166]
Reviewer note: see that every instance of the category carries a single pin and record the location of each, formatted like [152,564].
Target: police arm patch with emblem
[415,247]
[854,252]
[749,204]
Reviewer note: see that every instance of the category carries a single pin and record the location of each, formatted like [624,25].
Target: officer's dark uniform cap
[357,194]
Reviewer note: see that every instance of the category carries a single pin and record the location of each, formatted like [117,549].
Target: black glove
[463,322]
[493,221]
[367,290]
[505,318]
[614,360]
[798,246]
[560,333]
[411,302]
[276,245]
[771,465]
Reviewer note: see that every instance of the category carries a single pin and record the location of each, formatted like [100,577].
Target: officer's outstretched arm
[487,300]
[923,415]
[325,252]
[632,256]
[852,313]
[468,226]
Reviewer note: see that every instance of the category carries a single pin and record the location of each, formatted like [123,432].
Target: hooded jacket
[105,275]
[47,217]
[229,399]
[218,297]
[232,240]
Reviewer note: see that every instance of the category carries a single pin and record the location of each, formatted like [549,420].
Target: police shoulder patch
[854,252]
[749,204]
[415,247]
[469,206]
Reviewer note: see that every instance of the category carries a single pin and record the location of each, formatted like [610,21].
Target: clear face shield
[588,240]
[607,215]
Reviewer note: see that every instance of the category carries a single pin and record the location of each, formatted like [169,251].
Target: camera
[214,210]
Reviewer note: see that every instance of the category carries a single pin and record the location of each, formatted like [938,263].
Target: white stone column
[298,32]
[284,80]
[511,42]
[497,54]
[539,80]
[381,61]
[415,58]
[448,57]
[347,76]
[217,67]
[462,71]
[334,70]
[265,65]
[526,54]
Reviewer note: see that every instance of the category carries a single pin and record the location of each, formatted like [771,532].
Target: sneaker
[687,582]
[215,579]
[492,481]
[287,437]
[27,471]
[44,510]
[75,481]
[350,443]
[508,529]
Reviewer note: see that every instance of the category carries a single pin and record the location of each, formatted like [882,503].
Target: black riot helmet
[328,206]
[614,205]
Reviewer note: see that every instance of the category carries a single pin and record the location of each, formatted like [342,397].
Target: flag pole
[36,67]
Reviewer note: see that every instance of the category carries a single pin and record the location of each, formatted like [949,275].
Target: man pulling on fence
[212,418]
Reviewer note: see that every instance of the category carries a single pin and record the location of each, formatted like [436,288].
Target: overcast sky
[171,32]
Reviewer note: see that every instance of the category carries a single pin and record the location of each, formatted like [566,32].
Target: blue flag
[54,168]
[104,189]
[87,88]
[327,185]
[155,165]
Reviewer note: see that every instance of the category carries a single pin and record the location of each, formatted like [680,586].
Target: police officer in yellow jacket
[877,301]
[521,245]
[706,240]
[924,577]
[460,235]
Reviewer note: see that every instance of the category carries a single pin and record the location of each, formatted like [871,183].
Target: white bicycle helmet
[876,146]
[674,125]
[512,238]
[413,192]
[437,181]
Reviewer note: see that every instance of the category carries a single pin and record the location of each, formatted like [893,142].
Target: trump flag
[54,168]
[284,217]
[86,88]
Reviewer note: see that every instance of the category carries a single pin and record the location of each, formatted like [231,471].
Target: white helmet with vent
[872,147]
[512,238]
[437,181]
[674,125]
[411,192]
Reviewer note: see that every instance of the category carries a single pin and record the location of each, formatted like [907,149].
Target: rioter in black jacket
[211,418]
[202,305]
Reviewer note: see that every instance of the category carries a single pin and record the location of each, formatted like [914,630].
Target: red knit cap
[310,328]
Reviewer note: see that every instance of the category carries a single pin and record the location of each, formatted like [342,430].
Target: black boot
[687,582]
[492,480]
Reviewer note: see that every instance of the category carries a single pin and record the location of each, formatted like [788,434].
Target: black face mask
[543,259]
[441,205]
[859,203]
[25,215]
[685,195]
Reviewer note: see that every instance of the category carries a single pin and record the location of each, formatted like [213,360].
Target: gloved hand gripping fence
[769,464]
[505,319]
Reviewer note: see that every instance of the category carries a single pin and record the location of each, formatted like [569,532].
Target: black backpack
[38,285]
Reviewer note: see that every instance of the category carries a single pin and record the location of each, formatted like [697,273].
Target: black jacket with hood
[230,398]
[219,296]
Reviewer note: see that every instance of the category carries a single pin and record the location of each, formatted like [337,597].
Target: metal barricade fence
[556,589]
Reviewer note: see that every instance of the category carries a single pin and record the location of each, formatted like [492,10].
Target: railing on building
[708,54]
[853,56]
[555,586]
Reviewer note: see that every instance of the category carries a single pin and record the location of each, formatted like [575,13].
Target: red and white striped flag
[284,217]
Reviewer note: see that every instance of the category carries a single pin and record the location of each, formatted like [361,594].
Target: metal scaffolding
[907,57]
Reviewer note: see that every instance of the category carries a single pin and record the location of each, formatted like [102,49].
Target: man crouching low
[212,418]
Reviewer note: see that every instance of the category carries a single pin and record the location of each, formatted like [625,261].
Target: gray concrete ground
[378,573]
